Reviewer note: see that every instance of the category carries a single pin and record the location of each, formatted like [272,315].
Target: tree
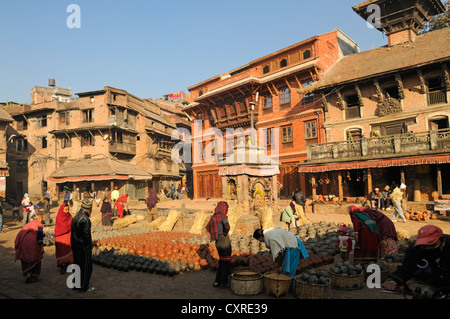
[439,21]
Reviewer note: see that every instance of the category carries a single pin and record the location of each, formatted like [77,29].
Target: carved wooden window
[286,136]
[283,63]
[267,102]
[66,142]
[285,96]
[266,69]
[309,97]
[87,140]
[436,91]
[41,121]
[306,54]
[391,91]
[311,129]
[269,136]
[352,109]
[354,134]
[64,118]
[88,116]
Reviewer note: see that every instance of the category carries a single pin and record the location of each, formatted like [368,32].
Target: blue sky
[151,48]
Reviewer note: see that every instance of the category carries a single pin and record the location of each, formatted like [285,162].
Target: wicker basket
[392,266]
[245,283]
[277,284]
[348,282]
[303,290]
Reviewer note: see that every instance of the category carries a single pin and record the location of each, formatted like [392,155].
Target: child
[344,243]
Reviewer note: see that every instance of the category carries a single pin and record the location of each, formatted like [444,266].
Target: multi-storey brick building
[224,102]
[387,111]
[99,140]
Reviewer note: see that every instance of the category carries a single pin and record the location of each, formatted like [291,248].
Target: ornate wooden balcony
[420,143]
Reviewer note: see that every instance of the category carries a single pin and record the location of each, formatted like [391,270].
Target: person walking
[29,249]
[63,249]
[218,228]
[396,198]
[81,242]
[286,248]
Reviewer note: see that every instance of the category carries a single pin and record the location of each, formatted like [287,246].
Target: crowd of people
[375,237]
[73,241]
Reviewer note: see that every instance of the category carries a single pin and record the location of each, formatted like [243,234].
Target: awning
[424,160]
[98,170]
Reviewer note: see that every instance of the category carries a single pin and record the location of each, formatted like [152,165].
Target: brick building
[99,140]
[5,120]
[386,111]
[224,102]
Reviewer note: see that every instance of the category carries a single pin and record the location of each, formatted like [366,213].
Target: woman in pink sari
[29,246]
[63,249]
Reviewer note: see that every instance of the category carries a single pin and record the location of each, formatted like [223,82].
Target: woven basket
[303,290]
[245,283]
[277,284]
[349,282]
[392,266]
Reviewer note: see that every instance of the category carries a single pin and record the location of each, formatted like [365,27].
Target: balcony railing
[379,147]
[125,148]
[437,97]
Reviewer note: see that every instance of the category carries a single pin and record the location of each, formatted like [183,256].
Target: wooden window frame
[310,127]
[285,99]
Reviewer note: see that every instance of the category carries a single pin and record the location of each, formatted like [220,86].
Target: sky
[152,48]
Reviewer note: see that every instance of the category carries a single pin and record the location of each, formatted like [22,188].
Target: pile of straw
[200,221]
[266,216]
[128,220]
[171,220]
[155,224]
[234,213]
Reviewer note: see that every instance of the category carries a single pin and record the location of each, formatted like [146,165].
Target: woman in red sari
[121,201]
[367,236]
[63,249]
[29,246]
